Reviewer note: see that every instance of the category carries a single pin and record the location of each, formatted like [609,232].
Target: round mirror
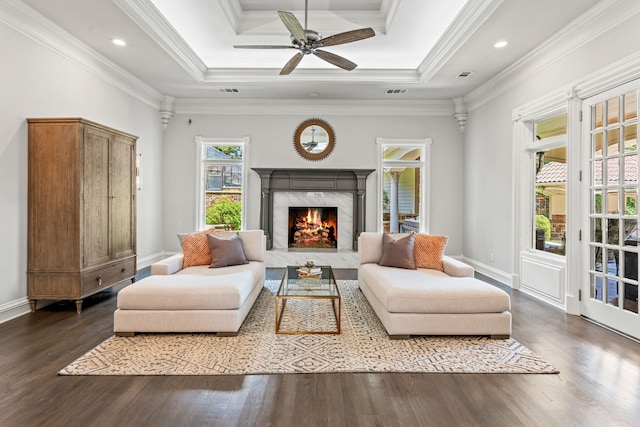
[314,139]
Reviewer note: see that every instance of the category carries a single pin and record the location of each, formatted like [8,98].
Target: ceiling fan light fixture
[308,41]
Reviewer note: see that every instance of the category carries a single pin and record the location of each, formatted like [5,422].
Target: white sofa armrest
[456,268]
[170,265]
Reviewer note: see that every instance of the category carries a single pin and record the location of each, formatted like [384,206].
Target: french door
[610,281]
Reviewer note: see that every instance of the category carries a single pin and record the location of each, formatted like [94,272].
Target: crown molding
[422,108]
[266,22]
[470,18]
[149,18]
[615,74]
[602,17]
[27,21]
[328,75]
[547,106]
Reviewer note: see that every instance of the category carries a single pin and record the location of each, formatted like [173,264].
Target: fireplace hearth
[313,228]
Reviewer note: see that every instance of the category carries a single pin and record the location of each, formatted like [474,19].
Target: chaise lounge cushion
[193,289]
[403,291]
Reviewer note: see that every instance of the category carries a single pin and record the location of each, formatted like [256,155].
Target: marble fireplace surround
[352,181]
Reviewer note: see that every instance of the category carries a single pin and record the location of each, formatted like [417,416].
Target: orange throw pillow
[429,250]
[195,248]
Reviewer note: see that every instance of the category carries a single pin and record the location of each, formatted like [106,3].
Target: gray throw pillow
[398,252]
[225,252]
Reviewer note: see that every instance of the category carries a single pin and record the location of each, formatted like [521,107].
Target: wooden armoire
[81,209]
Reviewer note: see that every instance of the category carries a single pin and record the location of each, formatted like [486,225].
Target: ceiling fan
[309,41]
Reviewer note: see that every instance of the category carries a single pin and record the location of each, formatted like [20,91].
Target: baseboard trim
[13,309]
[146,261]
[489,271]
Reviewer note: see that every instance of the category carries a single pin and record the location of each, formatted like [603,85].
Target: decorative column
[393,202]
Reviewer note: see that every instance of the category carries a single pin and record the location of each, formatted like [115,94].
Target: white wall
[488,143]
[271,146]
[36,81]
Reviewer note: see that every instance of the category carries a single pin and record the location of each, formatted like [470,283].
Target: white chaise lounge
[194,299]
[430,302]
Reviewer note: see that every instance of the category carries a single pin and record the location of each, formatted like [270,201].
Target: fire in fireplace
[313,227]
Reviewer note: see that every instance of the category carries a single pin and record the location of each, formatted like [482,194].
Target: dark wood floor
[598,384]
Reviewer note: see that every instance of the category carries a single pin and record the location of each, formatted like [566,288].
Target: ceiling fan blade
[347,37]
[293,25]
[292,64]
[336,60]
[262,46]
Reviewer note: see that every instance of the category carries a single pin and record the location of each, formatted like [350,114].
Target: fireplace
[313,228]
[343,188]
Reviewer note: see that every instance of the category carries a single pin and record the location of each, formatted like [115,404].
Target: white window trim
[200,200]
[424,144]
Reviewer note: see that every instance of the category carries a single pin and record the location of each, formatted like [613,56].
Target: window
[221,195]
[550,195]
[403,173]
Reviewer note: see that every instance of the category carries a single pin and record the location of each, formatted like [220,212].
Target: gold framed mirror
[314,139]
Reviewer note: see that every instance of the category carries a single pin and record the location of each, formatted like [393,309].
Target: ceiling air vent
[396,91]
[228,90]
[464,74]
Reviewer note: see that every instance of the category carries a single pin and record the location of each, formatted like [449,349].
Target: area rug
[363,346]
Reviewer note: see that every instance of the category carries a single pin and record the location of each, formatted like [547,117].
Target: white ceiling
[185,48]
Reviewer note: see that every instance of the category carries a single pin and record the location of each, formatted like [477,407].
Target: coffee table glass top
[315,286]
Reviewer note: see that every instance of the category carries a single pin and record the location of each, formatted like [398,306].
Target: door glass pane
[596,230]
[612,291]
[613,141]
[613,231]
[630,201]
[613,110]
[630,169]
[596,258]
[630,297]
[597,144]
[631,105]
[596,286]
[597,172]
[613,171]
[597,201]
[596,116]
[612,201]
[631,137]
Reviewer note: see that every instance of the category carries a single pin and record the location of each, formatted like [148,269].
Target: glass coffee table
[299,286]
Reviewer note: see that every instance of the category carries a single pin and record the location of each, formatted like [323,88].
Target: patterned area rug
[363,346]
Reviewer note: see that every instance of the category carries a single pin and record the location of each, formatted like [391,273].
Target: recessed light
[500,44]
[314,94]
[119,42]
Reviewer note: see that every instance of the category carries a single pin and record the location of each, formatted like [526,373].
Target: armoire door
[95,232]
[122,197]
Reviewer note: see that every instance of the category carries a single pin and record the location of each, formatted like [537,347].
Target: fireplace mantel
[316,180]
